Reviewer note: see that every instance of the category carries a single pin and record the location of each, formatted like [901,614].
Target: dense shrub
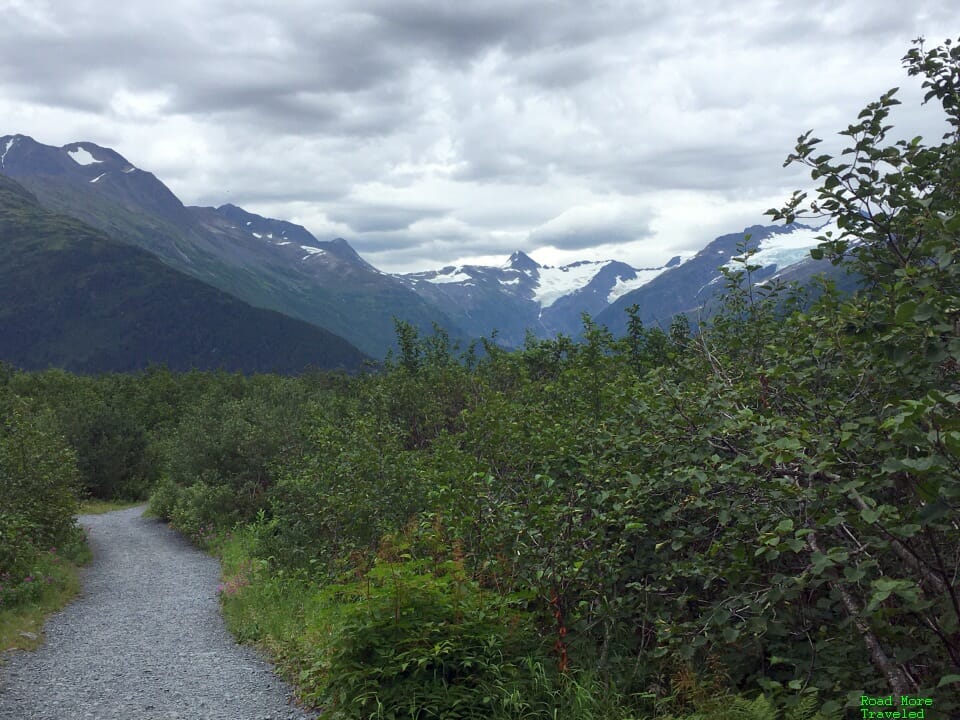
[423,641]
[230,438]
[112,454]
[39,484]
[353,483]
[107,423]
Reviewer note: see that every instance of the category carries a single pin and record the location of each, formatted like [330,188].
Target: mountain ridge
[279,265]
[521,294]
[332,288]
[72,297]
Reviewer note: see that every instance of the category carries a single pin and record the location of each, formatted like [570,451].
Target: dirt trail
[144,640]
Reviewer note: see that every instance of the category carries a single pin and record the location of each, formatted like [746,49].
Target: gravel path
[144,640]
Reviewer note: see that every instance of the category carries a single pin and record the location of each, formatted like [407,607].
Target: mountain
[268,263]
[72,297]
[693,287]
[281,266]
[523,295]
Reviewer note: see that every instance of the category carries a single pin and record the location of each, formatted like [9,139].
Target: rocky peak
[519,260]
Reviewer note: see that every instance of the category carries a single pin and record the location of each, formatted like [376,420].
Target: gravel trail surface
[144,640]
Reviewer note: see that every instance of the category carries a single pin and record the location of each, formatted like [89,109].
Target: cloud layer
[430,132]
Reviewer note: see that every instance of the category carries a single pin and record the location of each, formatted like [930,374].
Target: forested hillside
[757,520]
[72,297]
[268,264]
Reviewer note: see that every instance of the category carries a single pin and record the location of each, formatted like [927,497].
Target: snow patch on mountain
[81,156]
[623,286]
[6,149]
[452,275]
[783,249]
[98,177]
[644,275]
[555,282]
[129,170]
[309,249]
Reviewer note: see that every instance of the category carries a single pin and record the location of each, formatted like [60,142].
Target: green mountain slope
[72,297]
[258,260]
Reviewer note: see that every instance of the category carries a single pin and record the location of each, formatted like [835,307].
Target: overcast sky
[430,133]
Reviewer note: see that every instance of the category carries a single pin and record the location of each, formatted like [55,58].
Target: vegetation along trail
[144,640]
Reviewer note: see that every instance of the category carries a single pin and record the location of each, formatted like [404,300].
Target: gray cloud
[378,219]
[583,227]
[434,130]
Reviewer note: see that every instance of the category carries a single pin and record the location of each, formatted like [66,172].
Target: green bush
[38,473]
[411,639]
[164,498]
[353,483]
[106,423]
[113,455]
[18,550]
[39,484]
[760,708]
[230,438]
[200,509]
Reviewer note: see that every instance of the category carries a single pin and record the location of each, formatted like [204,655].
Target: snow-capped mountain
[783,247]
[91,171]
[268,263]
[522,294]
[782,251]
[279,265]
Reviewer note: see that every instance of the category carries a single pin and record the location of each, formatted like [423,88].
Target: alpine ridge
[281,266]
[74,298]
[522,295]
[267,263]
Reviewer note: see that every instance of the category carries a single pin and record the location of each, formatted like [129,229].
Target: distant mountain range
[523,295]
[72,297]
[268,263]
[276,265]
[783,252]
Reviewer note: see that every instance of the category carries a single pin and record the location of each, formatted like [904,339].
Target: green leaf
[870,515]
[905,311]
[924,312]
[785,526]
[821,563]
[948,680]
[931,512]
[853,573]
[951,441]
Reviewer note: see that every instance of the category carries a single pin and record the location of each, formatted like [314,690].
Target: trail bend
[145,639]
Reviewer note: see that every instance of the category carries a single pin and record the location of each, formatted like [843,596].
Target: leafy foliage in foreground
[39,484]
[769,504]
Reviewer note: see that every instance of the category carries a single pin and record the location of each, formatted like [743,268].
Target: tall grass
[53,581]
